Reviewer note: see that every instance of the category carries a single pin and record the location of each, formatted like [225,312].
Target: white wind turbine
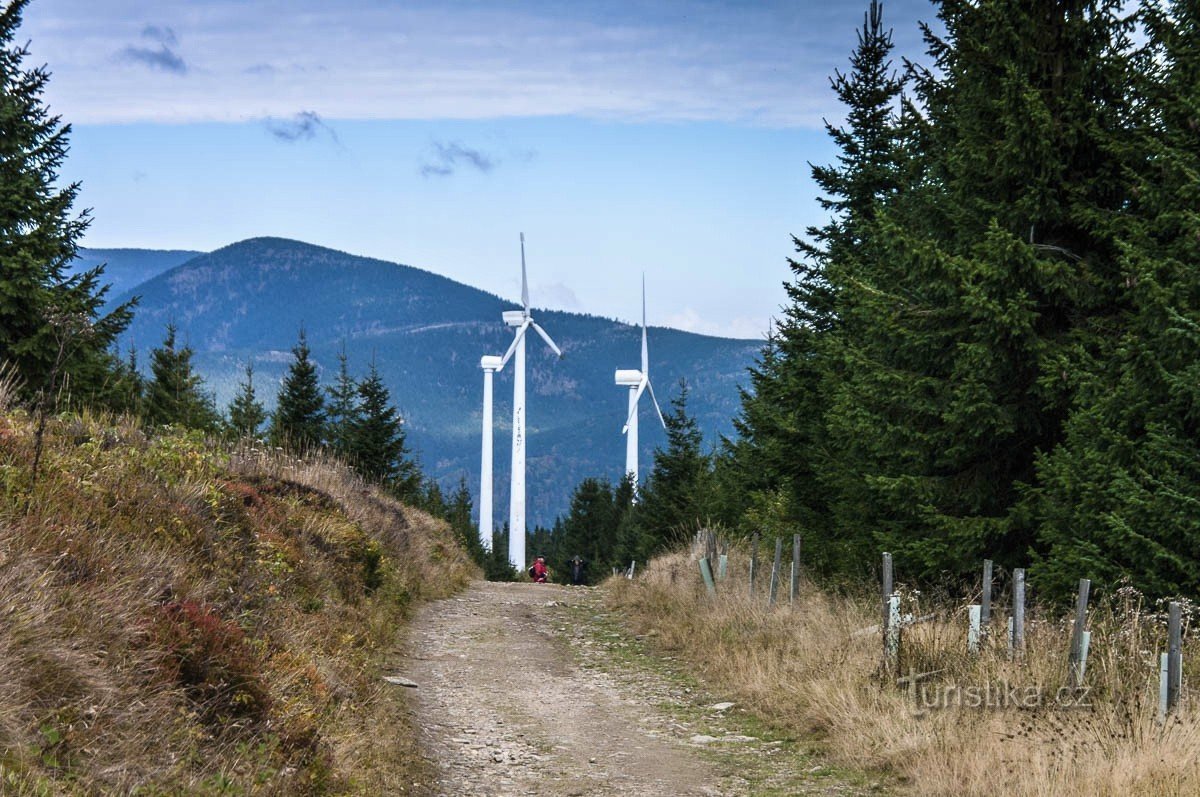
[637,382]
[490,365]
[521,320]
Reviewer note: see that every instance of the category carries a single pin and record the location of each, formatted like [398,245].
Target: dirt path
[534,689]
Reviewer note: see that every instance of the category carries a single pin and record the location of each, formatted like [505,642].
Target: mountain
[426,333]
[127,268]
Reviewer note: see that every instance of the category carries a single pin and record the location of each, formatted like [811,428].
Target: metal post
[1174,655]
[795,590]
[775,570]
[973,613]
[706,573]
[753,561]
[1164,678]
[1074,673]
[1018,634]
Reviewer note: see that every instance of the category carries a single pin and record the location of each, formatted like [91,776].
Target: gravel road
[534,689]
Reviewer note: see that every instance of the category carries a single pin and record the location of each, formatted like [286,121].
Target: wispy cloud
[447,158]
[164,57]
[304,126]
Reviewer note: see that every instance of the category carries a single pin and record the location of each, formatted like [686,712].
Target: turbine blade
[524,281]
[636,398]
[512,348]
[655,400]
[545,337]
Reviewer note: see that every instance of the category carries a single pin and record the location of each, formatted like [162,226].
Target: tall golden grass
[182,617]
[811,670]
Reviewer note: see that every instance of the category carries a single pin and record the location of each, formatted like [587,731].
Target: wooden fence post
[1174,655]
[795,589]
[985,601]
[887,588]
[1074,669]
[775,571]
[1017,640]
[753,561]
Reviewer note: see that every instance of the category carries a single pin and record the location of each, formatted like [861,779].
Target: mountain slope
[426,333]
[127,268]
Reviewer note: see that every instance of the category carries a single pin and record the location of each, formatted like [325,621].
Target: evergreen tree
[39,239]
[458,515]
[175,394]
[343,407]
[1117,499]
[590,528]
[246,413]
[378,449]
[677,492]
[299,418]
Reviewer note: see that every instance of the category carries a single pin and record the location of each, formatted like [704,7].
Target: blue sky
[670,138]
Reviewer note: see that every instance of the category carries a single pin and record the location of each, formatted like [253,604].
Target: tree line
[992,348]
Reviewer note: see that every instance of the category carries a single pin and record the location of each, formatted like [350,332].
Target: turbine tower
[521,320]
[490,365]
[637,382]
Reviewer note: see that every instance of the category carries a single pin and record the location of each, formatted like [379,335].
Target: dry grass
[806,670]
[178,618]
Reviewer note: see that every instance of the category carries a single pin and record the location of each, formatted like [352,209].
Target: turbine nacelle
[491,362]
[515,318]
[627,378]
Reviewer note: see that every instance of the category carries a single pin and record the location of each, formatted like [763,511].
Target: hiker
[538,570]
[577,568]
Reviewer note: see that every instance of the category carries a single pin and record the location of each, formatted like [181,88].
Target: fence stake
[973,612]
[722,566]
[1074,673]
[632,567]
[1017,643]
[775,570]
[753,561]
[1174,655]
[985,602]
[706,572]
[1164,677]
[891,634]
[795,569]
[1087,645]
[887,589]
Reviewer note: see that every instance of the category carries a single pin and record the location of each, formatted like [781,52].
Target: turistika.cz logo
[992,696]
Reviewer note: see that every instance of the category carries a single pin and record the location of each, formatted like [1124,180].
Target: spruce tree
[246,413]
[677,492]
[39,238]
[299,418]
[175,392]
[343,407]
[1116,501]
[378,449]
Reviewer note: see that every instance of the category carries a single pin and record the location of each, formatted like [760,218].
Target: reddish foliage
[208,657]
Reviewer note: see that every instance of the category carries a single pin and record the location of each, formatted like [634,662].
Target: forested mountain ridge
[247,302]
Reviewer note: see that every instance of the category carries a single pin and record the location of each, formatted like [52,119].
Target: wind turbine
[490,365]
[521,320]
[637,382]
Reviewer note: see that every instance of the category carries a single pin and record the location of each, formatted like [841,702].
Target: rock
[721,706]
[735,737]
[400,681]
[701,738]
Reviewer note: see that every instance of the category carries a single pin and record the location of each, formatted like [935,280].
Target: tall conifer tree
[299,418]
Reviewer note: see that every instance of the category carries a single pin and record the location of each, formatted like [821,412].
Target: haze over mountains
[426,333]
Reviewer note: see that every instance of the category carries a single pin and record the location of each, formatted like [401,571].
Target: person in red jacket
[538,570]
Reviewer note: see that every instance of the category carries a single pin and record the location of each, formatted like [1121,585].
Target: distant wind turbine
[521,320]
[637,382]
[490,365]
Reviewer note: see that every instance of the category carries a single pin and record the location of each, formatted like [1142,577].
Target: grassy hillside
[181,618]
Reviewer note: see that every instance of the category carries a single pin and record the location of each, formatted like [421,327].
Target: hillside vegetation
[813,671]
[180,617]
